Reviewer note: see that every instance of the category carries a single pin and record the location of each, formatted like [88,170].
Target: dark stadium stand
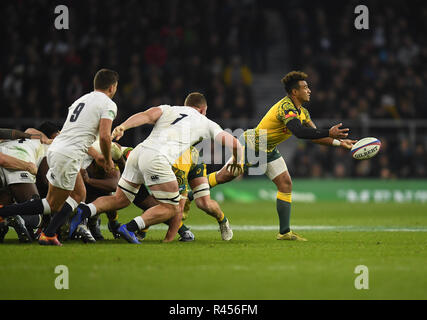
[166,49]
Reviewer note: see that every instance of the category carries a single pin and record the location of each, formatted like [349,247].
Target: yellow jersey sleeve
[272,127]
[286,112]
[306,116]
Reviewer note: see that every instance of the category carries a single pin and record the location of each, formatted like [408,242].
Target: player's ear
[203,110]
[112,88]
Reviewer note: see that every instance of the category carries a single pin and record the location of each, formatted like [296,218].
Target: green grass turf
[252,266]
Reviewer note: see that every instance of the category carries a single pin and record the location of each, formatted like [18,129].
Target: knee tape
[201,191]
[129,191]
[167,197]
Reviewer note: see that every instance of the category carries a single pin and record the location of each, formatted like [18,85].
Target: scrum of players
[66,167]
[55,183]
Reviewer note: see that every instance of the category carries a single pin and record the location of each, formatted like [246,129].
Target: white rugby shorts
[13,177]
[146,166]
[63,170]
[8,177]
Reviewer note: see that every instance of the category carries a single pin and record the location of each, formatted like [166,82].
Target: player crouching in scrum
[88,116]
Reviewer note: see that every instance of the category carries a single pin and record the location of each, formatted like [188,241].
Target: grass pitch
[389,239]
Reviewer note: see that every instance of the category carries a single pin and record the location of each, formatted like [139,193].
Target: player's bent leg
[175,222]
[126,193]
[23,191]
[160,213]
[24,225]
[144,200]
[113,223]
[283,182]
[56,198]
[79,192]
[204,202]
[168,196]
[54,202]
[278,173]
[212,208]
[217,177]
[121,199]
[77,196]
[34,206]
[60,218]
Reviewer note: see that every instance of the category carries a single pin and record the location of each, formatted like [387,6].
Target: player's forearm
[12,163]
[105,146]
[237,151]
[36,134]
[12,134]
[135,120]
[94,154]
[149,116]
[327,142]
[230,142]
[302,132]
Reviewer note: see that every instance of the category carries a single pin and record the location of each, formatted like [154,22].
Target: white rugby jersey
[177,129]
[82,125]
[30,150]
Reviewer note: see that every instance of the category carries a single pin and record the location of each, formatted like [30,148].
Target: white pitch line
[300,227]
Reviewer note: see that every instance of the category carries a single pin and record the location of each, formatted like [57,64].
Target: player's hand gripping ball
[117,133]
[236,169]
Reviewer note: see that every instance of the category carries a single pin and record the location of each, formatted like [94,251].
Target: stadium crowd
[163,50]
[381,73]
[376,73]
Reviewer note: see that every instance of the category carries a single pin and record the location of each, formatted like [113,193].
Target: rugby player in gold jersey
[285,118]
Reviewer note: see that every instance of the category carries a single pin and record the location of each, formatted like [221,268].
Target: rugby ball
[116,152]
[365,148]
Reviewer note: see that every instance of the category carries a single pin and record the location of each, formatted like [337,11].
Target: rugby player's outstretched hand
[337,133]
[117,133]
[347,143]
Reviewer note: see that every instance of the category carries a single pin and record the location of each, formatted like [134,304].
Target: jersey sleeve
[307,115]
[286,112]
[109,111]
[213,128]
[164,107]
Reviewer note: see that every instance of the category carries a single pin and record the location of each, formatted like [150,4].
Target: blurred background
[236,53]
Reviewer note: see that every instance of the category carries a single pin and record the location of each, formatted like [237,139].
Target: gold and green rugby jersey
[273,125]
[187,160]
[183,165]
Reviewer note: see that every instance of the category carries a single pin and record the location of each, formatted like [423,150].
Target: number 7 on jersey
[183,115]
